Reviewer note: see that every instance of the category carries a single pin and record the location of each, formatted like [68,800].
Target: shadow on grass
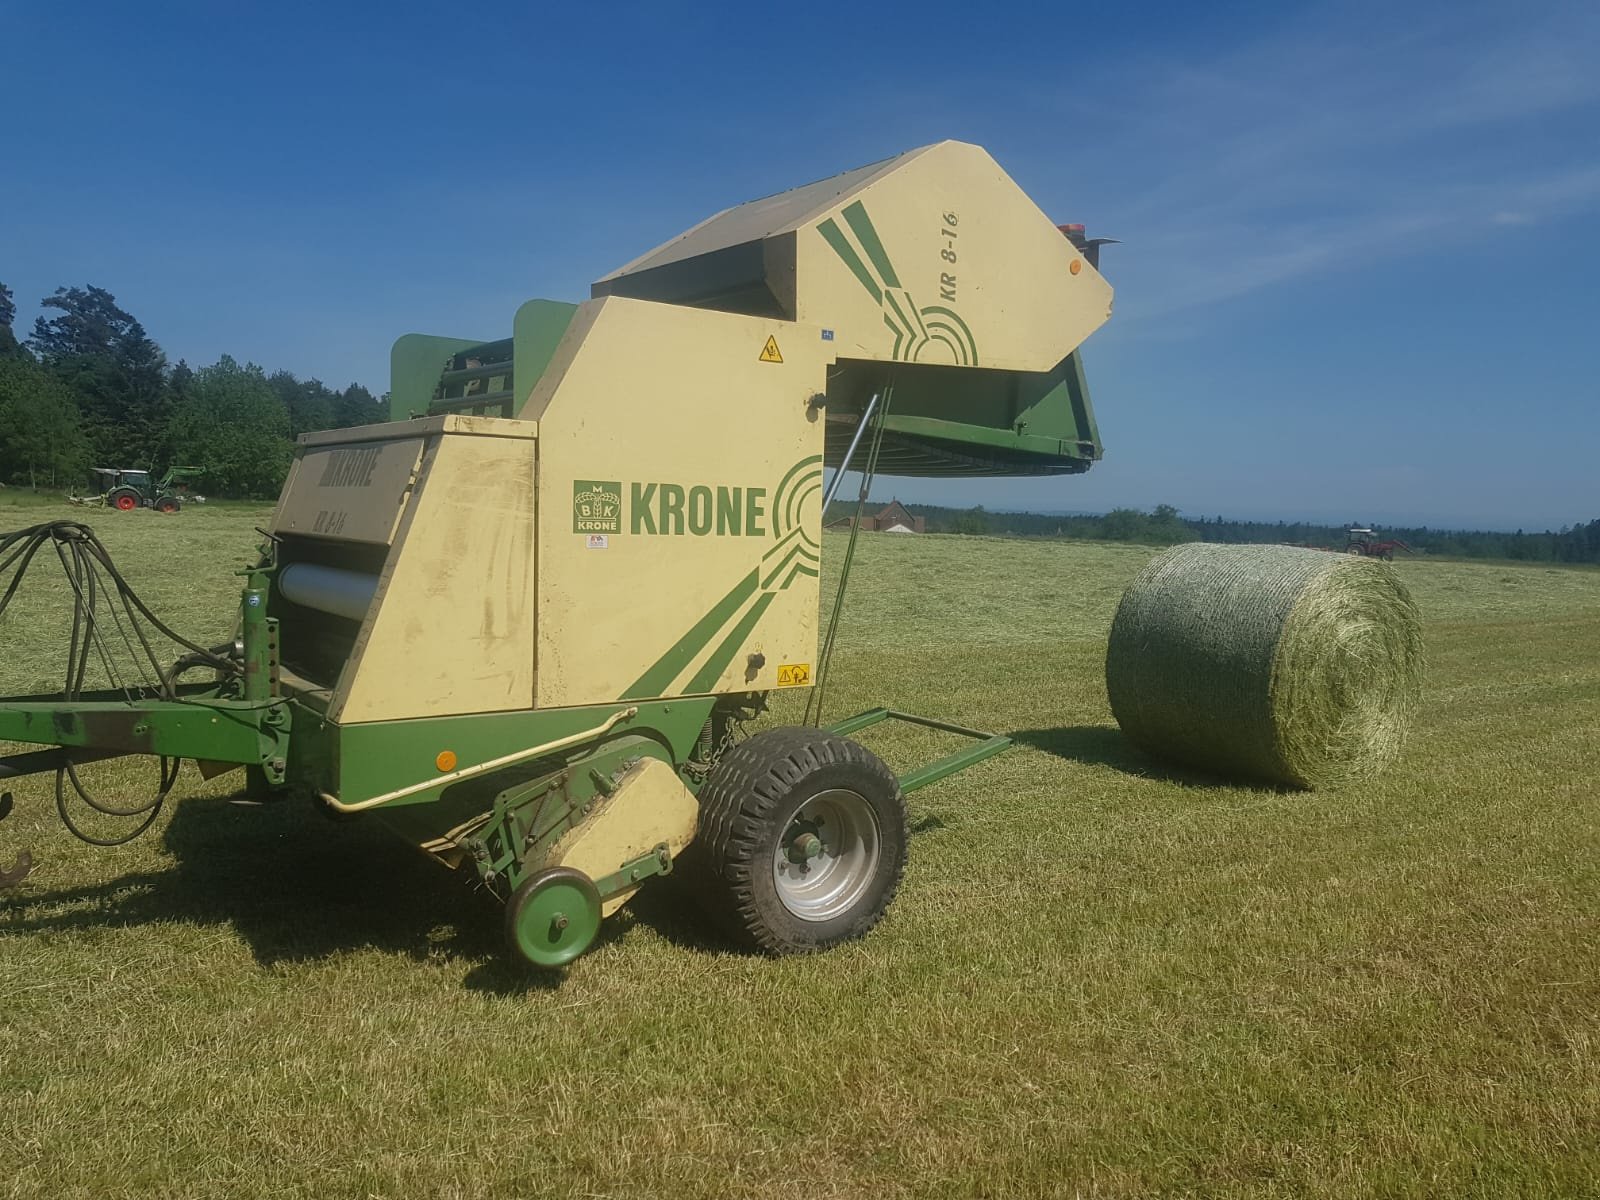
[1107,746]
[298,887]
[664,906]
[294,886]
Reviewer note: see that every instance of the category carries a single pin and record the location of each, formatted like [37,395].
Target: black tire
[749,802]
[123,499]
[167,504]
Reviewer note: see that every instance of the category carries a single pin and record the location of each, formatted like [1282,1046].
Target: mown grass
[1102,977]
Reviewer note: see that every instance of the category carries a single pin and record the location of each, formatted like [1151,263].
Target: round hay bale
[1295,666]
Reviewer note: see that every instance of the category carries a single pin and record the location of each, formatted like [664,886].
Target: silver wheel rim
[843,860]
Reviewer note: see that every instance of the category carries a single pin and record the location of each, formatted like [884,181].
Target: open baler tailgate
[928,261]
[930,271]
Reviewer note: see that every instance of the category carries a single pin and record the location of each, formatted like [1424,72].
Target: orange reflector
[1077,265]
[445,760]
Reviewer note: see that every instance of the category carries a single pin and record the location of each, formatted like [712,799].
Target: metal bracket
[635,871]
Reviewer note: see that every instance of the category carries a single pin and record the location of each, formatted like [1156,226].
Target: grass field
[1101,978]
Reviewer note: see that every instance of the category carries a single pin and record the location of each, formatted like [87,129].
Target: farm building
[894,517]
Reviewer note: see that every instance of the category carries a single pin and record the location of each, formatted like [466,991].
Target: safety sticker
[598,541]
[794,674]
[769,352]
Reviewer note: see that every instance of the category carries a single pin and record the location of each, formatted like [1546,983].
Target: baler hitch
[146,709]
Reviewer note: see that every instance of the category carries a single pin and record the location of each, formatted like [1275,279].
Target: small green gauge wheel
[553,917]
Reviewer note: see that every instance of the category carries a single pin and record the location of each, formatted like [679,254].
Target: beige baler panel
[933,256]
[452,628]
[650,807]
[352,493]
[976,274]
[680,475]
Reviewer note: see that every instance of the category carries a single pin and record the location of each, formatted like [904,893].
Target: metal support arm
[989,744]
[221,730]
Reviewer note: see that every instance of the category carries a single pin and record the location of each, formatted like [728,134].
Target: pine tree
[118,373]
[9,347]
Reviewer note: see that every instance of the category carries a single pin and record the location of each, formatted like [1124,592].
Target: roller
[328,589]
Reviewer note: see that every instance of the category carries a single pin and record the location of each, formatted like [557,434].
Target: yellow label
[769,352]
[794,674]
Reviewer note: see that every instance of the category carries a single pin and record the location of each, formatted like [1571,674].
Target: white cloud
[1342,138]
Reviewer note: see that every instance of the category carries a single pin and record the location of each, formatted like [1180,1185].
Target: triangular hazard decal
[769,352]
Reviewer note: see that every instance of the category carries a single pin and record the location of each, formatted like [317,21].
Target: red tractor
[1364,542]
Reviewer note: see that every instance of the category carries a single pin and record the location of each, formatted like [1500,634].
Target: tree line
[90,388]
[1165,526]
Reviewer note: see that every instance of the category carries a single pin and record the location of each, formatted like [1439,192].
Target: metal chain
[734,734]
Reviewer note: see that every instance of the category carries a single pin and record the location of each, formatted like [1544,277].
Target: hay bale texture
[1294,666]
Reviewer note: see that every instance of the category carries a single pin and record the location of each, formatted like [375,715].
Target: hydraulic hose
[98,586]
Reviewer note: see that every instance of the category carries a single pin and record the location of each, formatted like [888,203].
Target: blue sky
[1361,247]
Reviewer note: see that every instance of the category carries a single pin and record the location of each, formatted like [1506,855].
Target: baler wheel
[802,840]
[553,917]
[123,499]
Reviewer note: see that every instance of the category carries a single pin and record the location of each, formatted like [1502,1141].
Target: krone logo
[596,506]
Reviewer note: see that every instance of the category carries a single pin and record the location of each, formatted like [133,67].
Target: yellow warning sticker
[794,674]
[769,352]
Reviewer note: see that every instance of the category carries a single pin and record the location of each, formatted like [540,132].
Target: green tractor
[126,490]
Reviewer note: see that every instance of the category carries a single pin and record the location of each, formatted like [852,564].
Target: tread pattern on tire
[737,802]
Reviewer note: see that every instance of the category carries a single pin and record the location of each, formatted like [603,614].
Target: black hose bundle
[99,588]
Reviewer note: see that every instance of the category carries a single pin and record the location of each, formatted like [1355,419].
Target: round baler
[524,622]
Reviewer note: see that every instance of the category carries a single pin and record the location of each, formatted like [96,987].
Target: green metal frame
[379,757]
[989,744]
[250,727]
[655,862]
[507,819]
[193,726]
[513,839]
[415,363]
[419,382]
[971,422]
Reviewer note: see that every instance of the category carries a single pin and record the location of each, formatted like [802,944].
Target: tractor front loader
[524,622]
[127,488]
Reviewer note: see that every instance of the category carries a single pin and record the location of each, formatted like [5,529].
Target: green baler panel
[415,363]
[430,375]
[968,421]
